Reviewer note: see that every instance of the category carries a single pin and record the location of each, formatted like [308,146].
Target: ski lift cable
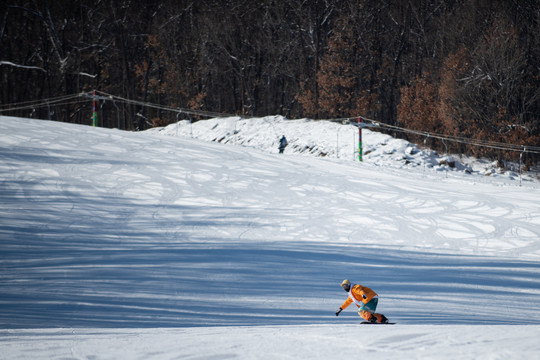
[68,99]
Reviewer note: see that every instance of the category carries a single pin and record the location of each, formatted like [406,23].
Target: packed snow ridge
[335,140]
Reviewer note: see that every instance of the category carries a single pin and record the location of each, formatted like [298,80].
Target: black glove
[337,312]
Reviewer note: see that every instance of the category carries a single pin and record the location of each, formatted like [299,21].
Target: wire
[40,103]
[457,139]
[83,96]
[469,141]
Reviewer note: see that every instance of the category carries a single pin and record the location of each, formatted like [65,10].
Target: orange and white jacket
[360,295]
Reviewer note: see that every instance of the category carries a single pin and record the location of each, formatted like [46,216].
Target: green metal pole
[359,138]
[94,115]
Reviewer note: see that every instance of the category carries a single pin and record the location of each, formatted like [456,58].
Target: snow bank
[329,139]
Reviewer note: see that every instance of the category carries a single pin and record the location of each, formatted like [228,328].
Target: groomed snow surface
[119,245]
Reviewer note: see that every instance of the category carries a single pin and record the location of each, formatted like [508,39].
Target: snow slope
[138,245]
[334,140]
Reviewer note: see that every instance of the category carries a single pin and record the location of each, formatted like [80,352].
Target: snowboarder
[366,300]
[282,144]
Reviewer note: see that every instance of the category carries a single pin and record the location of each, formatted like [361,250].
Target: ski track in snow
[103,229]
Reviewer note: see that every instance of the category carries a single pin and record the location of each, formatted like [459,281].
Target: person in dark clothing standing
[282,144]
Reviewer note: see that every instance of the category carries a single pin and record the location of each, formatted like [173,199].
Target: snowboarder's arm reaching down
[344,306]
[346,303]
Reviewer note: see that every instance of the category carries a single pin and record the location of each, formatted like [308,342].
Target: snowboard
[370,323]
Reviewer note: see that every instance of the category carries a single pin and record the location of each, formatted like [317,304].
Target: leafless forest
[467,68]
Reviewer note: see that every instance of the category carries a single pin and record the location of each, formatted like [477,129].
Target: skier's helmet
[346,284]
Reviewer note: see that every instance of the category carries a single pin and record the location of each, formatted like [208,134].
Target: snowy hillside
[337,141]
[139,245]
